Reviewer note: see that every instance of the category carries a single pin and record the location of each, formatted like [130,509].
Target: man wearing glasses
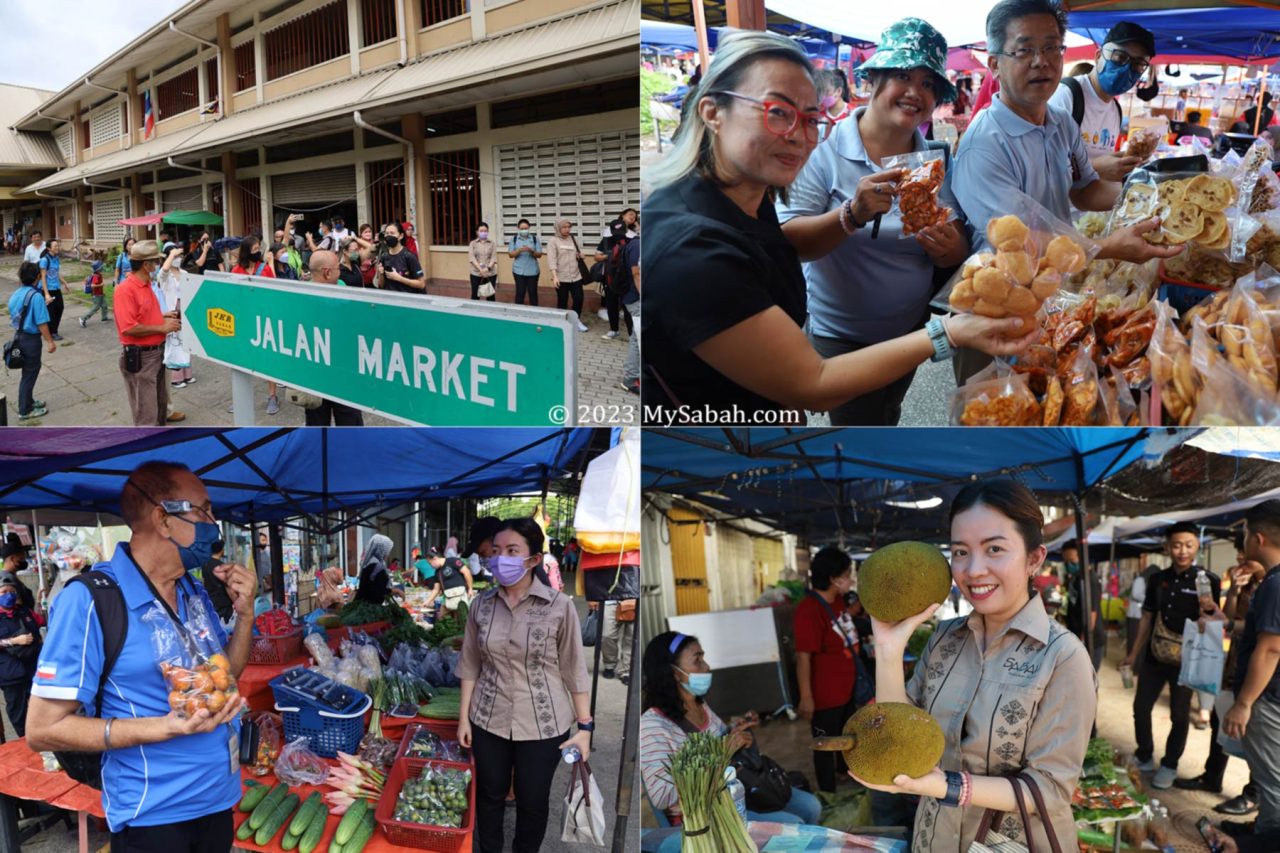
[1021,144]
[169,783]
[1091,101]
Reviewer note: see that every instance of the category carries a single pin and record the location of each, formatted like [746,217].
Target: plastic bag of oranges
[195,669]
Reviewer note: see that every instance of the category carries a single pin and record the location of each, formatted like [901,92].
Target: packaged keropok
[194,666]
[1026,256]
[1080,390]
[1143,141]
[1227,395]
[1037,363]
[1171,370]
[1127,341]
[916,200]
[1118,406]
[997,396]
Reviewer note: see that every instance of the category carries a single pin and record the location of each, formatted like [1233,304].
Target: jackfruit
[902,579]
[892,738]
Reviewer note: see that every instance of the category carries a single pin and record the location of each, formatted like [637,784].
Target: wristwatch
[589,726]
[955,785]
[938,337]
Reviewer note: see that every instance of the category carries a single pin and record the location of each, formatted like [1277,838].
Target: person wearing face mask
[833,680]
[564,258]
[143,327]
[524,685]
[1170,601]
[525,248]
[482,258]
[676,680]
[177,359]
[1014,691]
[398,268]
[1075,603]
[172,781]
[480,546]
[1090,99]
[348,266]
[19,649]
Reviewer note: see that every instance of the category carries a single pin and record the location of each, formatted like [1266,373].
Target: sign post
[410,357]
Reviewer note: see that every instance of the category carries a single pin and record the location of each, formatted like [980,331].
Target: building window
[250,204]
[313,38]
[62,136]
[377,21]
[454,178]
[605,97]
[84,133]
[245,78]
[451,123]
[212,86]
[435,11]
[215,198]
[386,191]
[106,220]
[178,94]
[104,124]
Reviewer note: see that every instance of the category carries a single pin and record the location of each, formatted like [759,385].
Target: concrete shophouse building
[440,112]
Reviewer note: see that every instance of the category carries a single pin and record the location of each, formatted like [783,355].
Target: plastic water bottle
[570,755]
[1204,590]
[737,790]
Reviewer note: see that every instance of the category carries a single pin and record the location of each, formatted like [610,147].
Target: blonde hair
[737,51]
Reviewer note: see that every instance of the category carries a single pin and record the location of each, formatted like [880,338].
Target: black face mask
[392,241]
[255,257]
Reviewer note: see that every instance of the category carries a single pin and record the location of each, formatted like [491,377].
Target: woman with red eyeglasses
[724,294]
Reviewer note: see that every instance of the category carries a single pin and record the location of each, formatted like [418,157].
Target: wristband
[941,341]
[586,727]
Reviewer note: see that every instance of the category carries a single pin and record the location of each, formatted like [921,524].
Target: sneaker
[83,322]
[625,679]
[1147,766]
[1164,777]
[1200,783]
[603,314]
[178,384]
[581,328]
[273,405]
[609,336]
[175,416]
[191,381]
[57,337]
[632,387]
[1241,805]
[608,673]
[106,319]
[39,404]
[33,414]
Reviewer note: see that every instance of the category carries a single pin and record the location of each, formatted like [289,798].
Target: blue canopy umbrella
[1243,33]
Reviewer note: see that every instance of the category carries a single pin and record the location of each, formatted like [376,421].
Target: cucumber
[268,805]
[273,824]
[289,842]
[362,836]
[334,847]
[315,829]
[253,796]
[311,809]
[350,822]
[245,831]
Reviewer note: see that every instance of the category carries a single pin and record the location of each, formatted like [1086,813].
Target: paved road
[82,386]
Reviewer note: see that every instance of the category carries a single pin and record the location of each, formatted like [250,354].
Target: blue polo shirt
[154,784]
[865,290]
[1263,618]
[37,310]
[524,263]
[1002,152]
[53,269]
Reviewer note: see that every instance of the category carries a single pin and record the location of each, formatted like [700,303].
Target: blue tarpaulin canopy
[270,474]
[664,35]
[1246,33]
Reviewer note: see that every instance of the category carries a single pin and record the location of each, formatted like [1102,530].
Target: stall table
[23,777]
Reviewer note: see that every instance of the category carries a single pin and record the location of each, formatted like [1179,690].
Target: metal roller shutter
[182,198]
[106,220]
[335,184]
[588,179]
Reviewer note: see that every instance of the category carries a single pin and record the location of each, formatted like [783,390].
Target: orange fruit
[220,662]
[221,680]
[216,701]
[181,679]
[202,683]
[176,700]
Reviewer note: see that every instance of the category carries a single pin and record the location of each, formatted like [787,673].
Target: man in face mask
[173,779]
[142,326]
[1124,58]
[19,648]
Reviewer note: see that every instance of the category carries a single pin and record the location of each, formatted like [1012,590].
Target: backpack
[617,274]
[1077,101]
[108,603]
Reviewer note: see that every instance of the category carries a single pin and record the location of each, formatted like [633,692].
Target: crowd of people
[782,284]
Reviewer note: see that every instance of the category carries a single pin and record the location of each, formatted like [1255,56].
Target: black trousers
[477,280]
[526,285]
[827,766]
[881,407]
[55,311]
[32,348]
[341,415]
[534,763]
[564,291]
[613,304]
[209,834]
[16,697]
[1152,678]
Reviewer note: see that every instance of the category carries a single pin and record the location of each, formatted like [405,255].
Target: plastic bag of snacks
[1144,141]
[270,741]
[1118,407]
[916,201]
[1247,340]
[1080,390]
[298,765]
[194,667]
[318,646]
[1002,399]
[1037,363]
[1171,369]
[1129,341]
[1029,254]
[1226,395]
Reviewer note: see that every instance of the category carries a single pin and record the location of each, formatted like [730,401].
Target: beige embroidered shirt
[1026,703]
[525,661]
[562,258]
[480,255]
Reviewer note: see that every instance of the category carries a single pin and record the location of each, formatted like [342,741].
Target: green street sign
[414,358]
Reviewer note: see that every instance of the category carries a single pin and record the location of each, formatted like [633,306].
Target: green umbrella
[192,217]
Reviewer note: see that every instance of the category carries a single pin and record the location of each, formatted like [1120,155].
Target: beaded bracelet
[966,789]
[846,217]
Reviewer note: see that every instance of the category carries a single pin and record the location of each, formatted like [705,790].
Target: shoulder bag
[1166,646]
[864,690]
[13,357]
[987,841]
[583,269]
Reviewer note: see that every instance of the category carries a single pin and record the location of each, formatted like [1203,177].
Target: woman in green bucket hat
[865,284]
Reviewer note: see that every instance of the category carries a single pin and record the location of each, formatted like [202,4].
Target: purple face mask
[508,570]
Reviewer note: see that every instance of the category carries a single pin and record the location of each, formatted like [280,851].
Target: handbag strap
[22,315]
[1049,832]
[990,818]
[1022,812]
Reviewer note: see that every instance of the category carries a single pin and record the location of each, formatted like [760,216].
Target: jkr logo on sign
[221,323]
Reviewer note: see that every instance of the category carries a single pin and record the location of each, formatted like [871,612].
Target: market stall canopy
[271,474]
[149,219]
[668,36]
[1240,32]
[192,217]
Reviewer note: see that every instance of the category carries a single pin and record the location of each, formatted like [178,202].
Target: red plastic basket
[442,839]
[446,729]
[276,649]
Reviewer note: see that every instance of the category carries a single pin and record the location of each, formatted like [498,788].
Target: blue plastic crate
[328,731]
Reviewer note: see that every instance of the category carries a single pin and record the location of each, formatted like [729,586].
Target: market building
[437,112]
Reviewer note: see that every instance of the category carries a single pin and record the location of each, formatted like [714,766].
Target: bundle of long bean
[711,821]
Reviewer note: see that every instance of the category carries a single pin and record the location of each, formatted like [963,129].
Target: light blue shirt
[157,783]
[1002,152]
[524,263]
[53,269]
[866,290]
[123,267]
[37,310]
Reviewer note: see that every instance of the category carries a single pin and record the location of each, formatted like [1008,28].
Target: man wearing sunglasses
[169,783]
[1123,60]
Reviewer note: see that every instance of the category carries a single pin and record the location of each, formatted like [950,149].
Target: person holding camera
[208,259]
[399,269]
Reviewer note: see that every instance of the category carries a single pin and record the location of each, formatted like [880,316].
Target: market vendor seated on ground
[169,783]
[451,580]
[676,677]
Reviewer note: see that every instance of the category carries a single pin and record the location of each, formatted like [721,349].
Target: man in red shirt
[142,327]
[828,657]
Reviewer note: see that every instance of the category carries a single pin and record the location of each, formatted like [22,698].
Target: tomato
[181,679]
[192,705]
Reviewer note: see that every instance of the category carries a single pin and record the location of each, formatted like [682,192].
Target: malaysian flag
[148,117]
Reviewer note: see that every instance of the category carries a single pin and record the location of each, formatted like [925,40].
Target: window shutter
[106,220]
[315,186]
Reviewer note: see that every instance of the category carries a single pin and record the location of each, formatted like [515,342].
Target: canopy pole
[1262,90]
[35,543]
[700,25]
[627,769]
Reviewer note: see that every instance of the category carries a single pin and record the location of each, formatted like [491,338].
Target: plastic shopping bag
[583,807]
[1203,657]
[608,515]
[194,666]
[1222,704]
[591,628]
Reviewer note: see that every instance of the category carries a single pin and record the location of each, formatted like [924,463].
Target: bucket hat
[913,43]
[145,250]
